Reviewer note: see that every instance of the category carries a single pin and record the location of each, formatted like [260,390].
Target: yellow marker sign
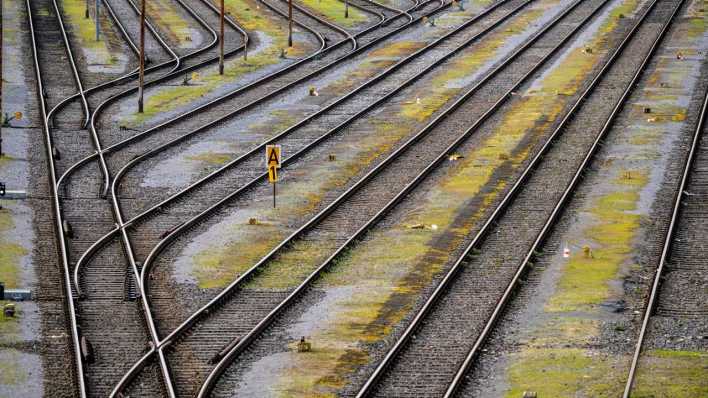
[18,115]
[273,155]
[272,173]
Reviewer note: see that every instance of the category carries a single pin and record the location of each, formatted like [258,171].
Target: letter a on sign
[273,155]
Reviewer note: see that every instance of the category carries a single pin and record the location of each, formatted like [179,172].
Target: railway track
[671,299]
[50,58]
[246,170]
[216,299]
[157,150]
[64,262]
[257,91]
[115,252]
[520,210]
[82,385]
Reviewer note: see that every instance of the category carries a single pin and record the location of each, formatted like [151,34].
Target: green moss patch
[672,374]
[10,373]
[571,372]
[169,19]
[333,10]
[10,253]
[253,19]
[85,30]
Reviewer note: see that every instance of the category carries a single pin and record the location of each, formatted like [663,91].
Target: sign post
[141,76]
[273,158]
[221,39]
[290,23]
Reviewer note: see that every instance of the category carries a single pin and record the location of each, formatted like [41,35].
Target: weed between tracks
[169,20]
[673,373]
[554,362]
[272,37]
[384,274]
[333,10]
[10,252]
[101,55]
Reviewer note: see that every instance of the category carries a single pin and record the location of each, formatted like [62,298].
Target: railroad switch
[304,345]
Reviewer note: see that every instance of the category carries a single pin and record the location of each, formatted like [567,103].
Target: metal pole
[98,24]
[274,193]
[142,57]
[221,41]
[290,23]
[87,9]
[346,8]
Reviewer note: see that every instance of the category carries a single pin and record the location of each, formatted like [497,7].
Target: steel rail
[253,334]
[149,321]
[167,341]
[157,36]
[72,62]
[552,218]
[100,153]
[100,242]
[73,329]
[117,146]
[178,62]
[81,383]
[258,82]
[439,291]
[305,121]
[129,252]
[676,213]
[134,73]
[286,162]
[89,253]
[148,315]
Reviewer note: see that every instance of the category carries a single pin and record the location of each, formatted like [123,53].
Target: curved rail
[651,303]
[72,62]
[253,334]
[101,152]
[499,210]
[56,207]
[134,73]
[323,48]
[87,255]
[186,225]
[105,169]
[168,340]
[305,121]
[149,321]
